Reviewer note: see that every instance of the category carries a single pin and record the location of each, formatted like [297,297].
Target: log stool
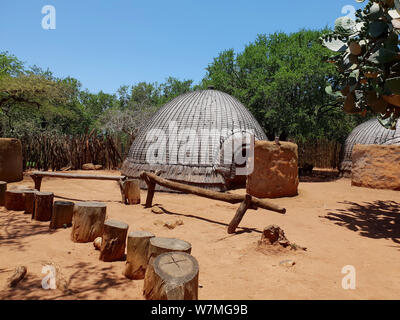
[131,191]
[136,254]
[173,276]
[113,241]
[158,246]
[29,198]
[3,189]
[88,221]
[15,200]
[62,214]
[43,206]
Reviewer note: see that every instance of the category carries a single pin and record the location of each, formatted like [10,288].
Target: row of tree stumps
[39,205]
[169,270]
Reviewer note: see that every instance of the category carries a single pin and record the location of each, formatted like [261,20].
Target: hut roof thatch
[197,116]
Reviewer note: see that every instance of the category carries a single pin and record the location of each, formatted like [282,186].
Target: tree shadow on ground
[239,230]
[15,226]
[378,219]
[88,281]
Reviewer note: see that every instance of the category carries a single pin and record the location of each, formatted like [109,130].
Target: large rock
[376,166]
[275,170]
[10,160]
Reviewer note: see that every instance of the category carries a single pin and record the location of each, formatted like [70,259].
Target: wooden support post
[15,200]
[173,276]
[62,214]
[113,241]
[137,254]
[37,180]
[43,206]
[246,204]
[158,246]
[131,191]
[88,221]
[3,189]
[29,198]
[151,186]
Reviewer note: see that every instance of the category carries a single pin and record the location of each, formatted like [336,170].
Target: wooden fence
[320,153]
[48,151]
[53,151]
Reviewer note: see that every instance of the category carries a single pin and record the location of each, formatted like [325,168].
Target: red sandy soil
[340,225]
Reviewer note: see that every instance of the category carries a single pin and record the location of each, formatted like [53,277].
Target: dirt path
[339,224]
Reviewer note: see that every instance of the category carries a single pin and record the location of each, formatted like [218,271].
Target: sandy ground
[339,224]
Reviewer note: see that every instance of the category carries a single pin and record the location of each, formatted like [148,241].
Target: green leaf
[375,12]
[335,45]
[345,26]
[336,94]
[383,56]
[393,85]
[377,28]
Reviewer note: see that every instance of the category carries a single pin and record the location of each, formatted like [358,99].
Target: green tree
[281,79]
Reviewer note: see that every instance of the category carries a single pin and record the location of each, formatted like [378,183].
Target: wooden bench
[37,177]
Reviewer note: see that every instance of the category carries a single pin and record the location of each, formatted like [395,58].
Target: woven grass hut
[369,132]
[192,130]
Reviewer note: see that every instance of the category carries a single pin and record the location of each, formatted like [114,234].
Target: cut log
[18,275]
[113,241]
[88,221]
[62,214]
[131,191]
[137,254]
[43,206]
[15,200]
[3,189]
[173,276]
[246,204]
[29,198]
[158,246]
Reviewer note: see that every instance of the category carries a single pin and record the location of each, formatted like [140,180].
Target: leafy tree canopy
[281,78]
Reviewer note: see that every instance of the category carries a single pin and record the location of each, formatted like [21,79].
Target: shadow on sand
[378,219]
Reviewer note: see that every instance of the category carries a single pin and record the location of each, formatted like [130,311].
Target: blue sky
[106,44]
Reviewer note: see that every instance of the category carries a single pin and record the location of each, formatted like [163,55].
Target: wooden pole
[29,198]
[239,214]
[88,221]
[37,180]
[151,178]
[137,254]
[43,206]
[15,200]
[113,241]
[62,214]
[3,189]
[151,186]
[173,276]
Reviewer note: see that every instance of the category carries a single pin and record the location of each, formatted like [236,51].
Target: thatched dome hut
[191,130]
[369,132]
